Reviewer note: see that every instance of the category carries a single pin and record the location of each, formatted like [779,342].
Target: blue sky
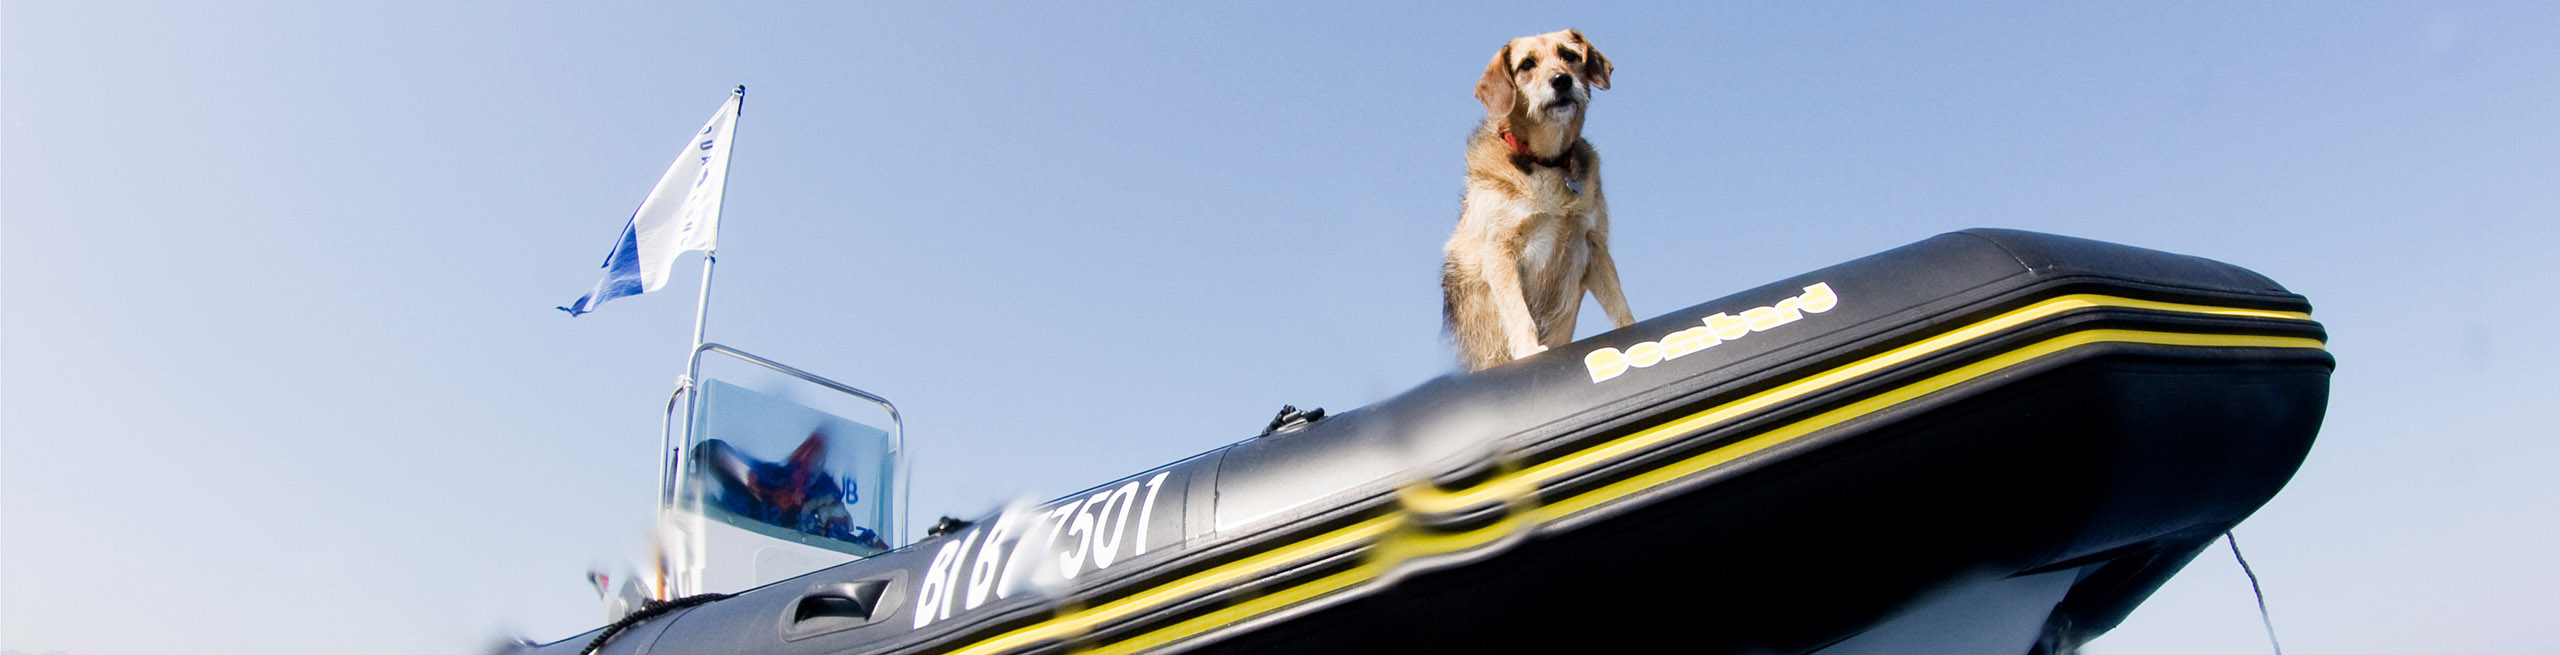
[277,343]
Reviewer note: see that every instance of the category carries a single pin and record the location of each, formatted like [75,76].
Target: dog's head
[1545,79]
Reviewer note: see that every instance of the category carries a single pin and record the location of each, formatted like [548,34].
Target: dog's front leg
[1502,275]
[1601,277]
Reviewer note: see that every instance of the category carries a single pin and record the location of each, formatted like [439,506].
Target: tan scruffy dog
[1533,234]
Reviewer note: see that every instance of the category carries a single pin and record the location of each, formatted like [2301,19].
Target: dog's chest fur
[1554,248]
[1552,210]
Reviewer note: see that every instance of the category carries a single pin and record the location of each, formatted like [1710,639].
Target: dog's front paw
[1520,352]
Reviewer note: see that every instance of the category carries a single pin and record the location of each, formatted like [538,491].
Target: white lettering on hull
[1720,327]
[1089,533]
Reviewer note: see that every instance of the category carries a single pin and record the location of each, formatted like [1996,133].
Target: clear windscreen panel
[766,462]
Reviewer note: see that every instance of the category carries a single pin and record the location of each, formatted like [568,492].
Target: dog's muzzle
[1564,87]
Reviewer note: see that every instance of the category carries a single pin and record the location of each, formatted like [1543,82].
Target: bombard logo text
[1608,363]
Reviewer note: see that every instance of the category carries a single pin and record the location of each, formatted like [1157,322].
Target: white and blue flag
[681,215]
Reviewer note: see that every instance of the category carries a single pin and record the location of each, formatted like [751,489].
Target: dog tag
[1574,185]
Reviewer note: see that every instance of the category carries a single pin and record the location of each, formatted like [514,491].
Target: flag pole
[685,386]
[670,452]
[701,312]
[702,305]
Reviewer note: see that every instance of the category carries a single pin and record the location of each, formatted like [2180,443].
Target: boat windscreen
[771,466]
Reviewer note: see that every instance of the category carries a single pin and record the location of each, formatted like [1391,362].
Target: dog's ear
[1594,66]
[1495,89]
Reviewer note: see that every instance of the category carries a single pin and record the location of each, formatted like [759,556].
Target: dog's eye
[1528,62]
[1568,55]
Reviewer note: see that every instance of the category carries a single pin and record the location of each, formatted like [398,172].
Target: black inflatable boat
[1991,435]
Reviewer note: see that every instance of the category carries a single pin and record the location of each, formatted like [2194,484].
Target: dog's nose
[1562,82]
